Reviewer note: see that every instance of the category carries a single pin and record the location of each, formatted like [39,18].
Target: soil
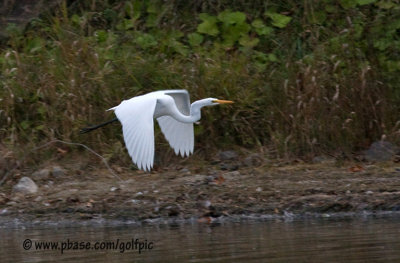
[204,192]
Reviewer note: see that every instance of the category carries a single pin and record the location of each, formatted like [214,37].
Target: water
[345,240]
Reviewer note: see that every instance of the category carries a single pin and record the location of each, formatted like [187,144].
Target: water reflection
[298,241]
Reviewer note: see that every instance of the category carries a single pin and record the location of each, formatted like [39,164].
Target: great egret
[174,114]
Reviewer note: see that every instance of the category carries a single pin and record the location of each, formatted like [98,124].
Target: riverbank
[202,193]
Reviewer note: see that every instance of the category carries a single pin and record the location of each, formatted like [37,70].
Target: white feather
[136,116]
[179,135]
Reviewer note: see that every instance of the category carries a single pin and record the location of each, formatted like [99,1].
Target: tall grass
[308,88]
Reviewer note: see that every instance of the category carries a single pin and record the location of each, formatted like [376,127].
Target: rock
[45,173]
[209,179]
[38,199]
[227,155]
[322,159]
[381,151]
[113,189]
[252,160]
[229,166]
[185,171]
[41,174]
[57,171]
[25,186]
[4,211]
[232,174]
[205,204]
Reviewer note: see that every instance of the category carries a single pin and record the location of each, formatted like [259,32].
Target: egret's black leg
[88,129]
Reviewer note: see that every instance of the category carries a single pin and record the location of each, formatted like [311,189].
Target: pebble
[57,171]
[252,160]
[4,211]
[229,166]
[25,186]
[228,155]
[232,174]
[41,174]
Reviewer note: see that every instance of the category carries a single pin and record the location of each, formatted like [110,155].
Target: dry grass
[58,77]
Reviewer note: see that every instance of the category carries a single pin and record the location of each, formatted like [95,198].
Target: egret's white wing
[179,135]
[136,116]
[181,98]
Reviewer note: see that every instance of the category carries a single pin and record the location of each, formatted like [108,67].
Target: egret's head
[210,102]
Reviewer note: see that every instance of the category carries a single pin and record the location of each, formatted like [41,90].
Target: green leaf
[393,65]
[126,24]
[385,4]
[25,125]
[195,39]
[175,34]
[365,2]
[232,33]
[153,7]
[228,17]
[330,8]
[346,4]
[260,28]
[246,41]
[75,19]
[260,56]
[145,40]
[34,45]
[110,15]
[101,35]
[42,110]
[209,25]
[279,20]
[180,48]
[272,57]
[39,127]
[152,20]
[257,23]
[382,44]
[318,17]
[133,9]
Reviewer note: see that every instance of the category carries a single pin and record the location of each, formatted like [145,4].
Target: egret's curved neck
[195,112]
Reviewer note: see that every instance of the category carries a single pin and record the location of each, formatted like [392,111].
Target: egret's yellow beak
[223,101]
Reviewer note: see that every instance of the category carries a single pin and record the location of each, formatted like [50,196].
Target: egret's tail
[88,129]
[113,108]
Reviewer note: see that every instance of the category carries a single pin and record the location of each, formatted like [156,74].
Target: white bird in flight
[174,114]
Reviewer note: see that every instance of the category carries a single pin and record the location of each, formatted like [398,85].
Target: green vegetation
[307,77]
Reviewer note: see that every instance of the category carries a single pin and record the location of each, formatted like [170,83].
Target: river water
[322,240]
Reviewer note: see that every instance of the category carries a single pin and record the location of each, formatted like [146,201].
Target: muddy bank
[202,193]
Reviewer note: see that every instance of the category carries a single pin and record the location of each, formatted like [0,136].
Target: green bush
[307,77]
